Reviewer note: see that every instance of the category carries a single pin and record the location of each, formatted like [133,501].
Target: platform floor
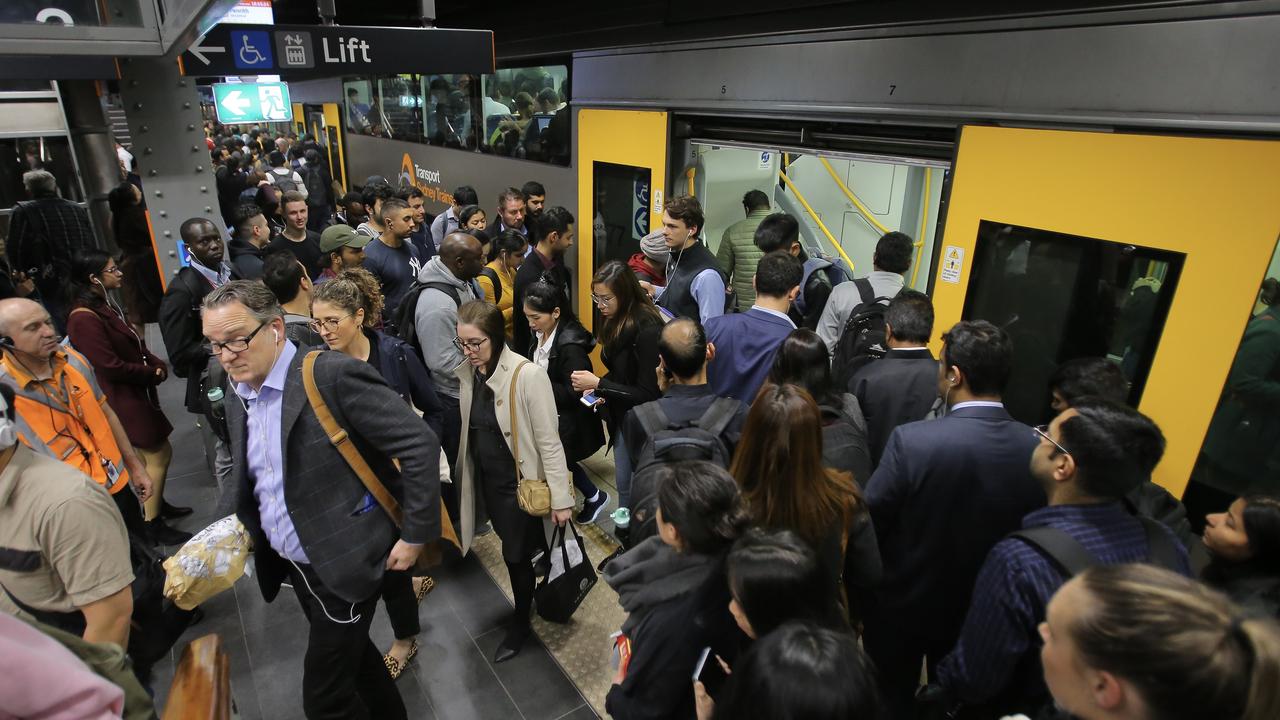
[453,676]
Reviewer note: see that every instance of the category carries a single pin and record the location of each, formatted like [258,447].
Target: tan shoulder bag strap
[343,443]
[511,408]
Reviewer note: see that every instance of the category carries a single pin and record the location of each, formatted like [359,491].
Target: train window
[361,111]
[620,217]
[817,191]
[1064,296]
[397,109]
[447,107]
[526,113]
[1241,450]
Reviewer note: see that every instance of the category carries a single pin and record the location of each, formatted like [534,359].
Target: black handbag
[558,598]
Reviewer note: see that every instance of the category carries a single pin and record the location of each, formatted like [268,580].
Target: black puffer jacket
[844,437]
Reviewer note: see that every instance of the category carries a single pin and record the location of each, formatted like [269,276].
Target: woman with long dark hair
[129,374]
[629,339]
[1244,547]
[345,311]
[778,464]
[561,346]
[509,430]
[498,279]
[802,360]
[132,233]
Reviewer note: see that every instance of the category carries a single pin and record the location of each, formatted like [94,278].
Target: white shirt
[775,313]
[542,355]
[976,403]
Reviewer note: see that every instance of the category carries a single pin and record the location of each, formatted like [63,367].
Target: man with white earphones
[311,518]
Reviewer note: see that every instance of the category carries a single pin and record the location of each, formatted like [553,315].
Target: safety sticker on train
[952,264]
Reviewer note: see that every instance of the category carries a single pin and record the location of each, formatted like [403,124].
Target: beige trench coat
[541,455]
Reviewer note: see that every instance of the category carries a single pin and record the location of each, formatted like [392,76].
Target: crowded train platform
[366,361]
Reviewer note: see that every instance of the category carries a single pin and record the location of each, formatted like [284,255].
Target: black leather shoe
[173,512]
[162,534]
[517,633]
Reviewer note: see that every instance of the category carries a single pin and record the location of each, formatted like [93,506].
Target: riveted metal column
[163,112]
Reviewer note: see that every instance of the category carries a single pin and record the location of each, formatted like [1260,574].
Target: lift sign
[252,102]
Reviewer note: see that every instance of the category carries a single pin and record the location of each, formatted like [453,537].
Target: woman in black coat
[562,346]
[629,334]
[138,260]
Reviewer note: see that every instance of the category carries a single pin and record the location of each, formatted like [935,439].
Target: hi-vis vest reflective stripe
[48,427]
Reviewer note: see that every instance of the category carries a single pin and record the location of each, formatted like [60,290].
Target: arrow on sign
[199,50]
[235,103]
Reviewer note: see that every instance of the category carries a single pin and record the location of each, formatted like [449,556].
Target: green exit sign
[252,102]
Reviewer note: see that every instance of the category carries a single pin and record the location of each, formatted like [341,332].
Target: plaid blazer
[347,548]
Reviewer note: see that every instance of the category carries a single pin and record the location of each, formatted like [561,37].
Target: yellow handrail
[924,225]
[821,226]
[853,198]
[688,174]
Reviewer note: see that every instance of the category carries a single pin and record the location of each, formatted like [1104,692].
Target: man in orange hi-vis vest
[63,413]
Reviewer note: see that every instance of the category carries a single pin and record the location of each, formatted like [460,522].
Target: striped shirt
[1000,642]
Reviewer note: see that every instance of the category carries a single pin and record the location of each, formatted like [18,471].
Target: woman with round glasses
[345,311]
[507,433]
[129,374]
[629,340]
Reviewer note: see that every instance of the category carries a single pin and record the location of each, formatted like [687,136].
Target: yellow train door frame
[1213,200]
[634,138]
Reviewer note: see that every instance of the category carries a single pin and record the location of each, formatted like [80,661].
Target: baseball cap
[336,236]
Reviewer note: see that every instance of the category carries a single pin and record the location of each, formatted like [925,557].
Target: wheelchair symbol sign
[251,49]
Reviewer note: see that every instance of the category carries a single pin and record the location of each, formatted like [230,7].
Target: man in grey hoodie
[448,279]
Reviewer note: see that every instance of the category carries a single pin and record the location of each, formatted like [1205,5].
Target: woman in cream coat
[486,472]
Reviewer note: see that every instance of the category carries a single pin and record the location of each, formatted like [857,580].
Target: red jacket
[646,273]
[125,369]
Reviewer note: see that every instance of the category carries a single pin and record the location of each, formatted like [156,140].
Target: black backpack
[835,271]
[284,183]
[405,327]
[497,284]
[667,442]
[862,339]
[317,192]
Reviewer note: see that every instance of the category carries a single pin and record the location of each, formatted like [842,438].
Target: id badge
[113,472]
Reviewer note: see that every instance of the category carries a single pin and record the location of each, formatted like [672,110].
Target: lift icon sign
[293,50]
[952,264]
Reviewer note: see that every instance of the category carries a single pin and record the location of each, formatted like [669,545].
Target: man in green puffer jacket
[738,253]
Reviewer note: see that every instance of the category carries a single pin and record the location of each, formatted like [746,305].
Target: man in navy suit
[945,492]
[745,343]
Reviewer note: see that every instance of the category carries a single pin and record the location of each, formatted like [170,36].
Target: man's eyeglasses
[1043,431]
[469,345]
[329,324]
[235,345]
[602,300]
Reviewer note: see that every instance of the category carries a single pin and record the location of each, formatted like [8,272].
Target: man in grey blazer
[310,517]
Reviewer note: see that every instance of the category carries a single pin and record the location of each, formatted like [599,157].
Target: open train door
[1146,249]
[622,167]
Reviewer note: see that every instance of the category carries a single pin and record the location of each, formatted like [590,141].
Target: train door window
[620,216]
[843,204]
[359,97]
[1241,450]
[1062,297]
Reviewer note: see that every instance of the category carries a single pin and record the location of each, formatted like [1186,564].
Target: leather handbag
[432,553]
[532,494]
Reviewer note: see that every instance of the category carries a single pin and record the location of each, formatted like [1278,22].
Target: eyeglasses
[235,345]
[602,300]
[469,345]
[329,324]
[1043,431]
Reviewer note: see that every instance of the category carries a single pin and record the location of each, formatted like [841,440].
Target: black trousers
[402,604]
[450,438]
[897,649]
[343,677]
[131,510]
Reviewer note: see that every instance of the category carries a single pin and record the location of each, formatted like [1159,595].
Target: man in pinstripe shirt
[1087,459]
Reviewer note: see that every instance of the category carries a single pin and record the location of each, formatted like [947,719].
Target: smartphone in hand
[709,672]
[589,399]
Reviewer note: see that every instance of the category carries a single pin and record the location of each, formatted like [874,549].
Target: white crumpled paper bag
[208,564]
